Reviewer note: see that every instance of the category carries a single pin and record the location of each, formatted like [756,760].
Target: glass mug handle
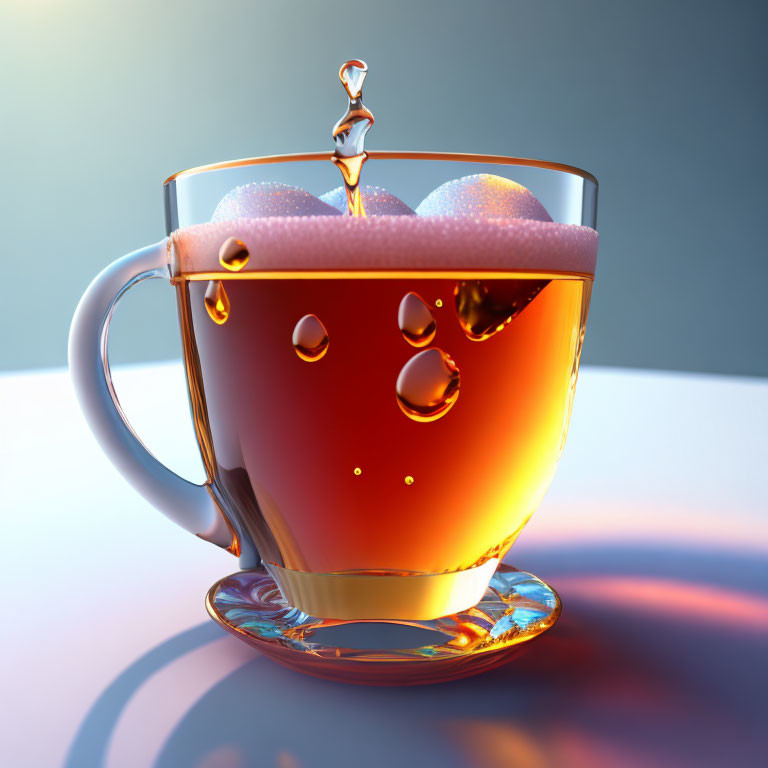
[189,505]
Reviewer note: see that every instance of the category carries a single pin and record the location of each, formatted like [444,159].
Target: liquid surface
[370,458]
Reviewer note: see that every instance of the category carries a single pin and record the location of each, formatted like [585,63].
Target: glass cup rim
[386,155]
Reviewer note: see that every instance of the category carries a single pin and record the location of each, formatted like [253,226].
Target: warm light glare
[726,608]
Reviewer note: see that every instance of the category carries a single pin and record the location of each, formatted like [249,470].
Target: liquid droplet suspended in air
[415,320]
[349,133]
[233,254]
[352,76]
[409,480]
[217,302]
[358,471]
[485,310]
[310,339]
[428,385]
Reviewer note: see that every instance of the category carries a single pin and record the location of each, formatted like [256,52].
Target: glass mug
[379,406]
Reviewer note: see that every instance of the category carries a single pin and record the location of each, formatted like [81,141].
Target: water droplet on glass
[310,339]
[415,320]
[217,302]
[408,480]
[428,385]
[358,471]
[484,309]
[233,255]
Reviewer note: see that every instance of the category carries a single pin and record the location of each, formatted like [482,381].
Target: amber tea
[381,420]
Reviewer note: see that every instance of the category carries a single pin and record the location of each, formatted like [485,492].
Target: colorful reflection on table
[657,660]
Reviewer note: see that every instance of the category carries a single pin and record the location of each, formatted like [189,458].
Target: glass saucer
[516,608]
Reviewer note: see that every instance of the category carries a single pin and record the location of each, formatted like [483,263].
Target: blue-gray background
[665,102]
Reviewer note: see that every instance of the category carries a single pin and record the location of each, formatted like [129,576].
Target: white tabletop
[655,533]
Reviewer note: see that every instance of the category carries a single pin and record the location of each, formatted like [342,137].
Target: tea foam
[344,243]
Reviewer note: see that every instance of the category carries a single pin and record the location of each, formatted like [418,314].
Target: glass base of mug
[515,608]
[386,596]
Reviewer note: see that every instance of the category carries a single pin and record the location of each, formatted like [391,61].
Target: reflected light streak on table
[655,532]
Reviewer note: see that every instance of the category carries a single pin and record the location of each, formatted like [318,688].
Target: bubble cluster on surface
[376,201]
[270,198]
[483,195]
[480,222]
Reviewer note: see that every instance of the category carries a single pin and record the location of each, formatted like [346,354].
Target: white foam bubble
[270,198]
[483,195]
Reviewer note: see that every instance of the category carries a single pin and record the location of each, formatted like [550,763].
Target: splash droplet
[349,134]
[352,74]
[358,471]
[484,309]
[439,303]
[233,254]
[408,480]
[415,320]
[428,385]
[310,339]
[217,302]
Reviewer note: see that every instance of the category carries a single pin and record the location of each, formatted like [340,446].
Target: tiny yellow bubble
[439,303]
[408,480]
[358,471]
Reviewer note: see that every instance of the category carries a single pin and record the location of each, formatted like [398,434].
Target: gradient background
[664,102]
[654,530]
